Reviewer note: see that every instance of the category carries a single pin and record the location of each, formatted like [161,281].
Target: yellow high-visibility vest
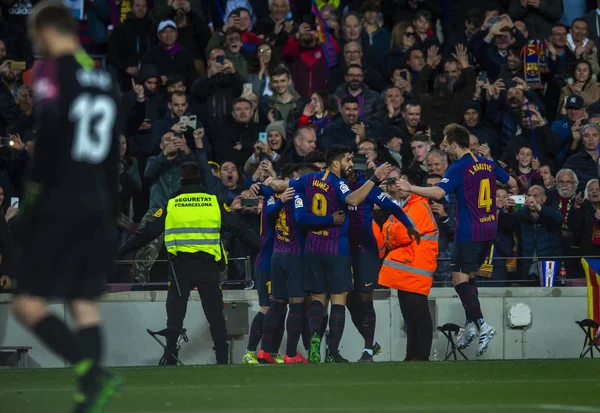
[193,224]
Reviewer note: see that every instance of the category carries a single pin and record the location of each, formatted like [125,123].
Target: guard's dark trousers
[200,270]
[419,327]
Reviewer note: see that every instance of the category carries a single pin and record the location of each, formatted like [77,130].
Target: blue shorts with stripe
[327,273]
[286,273]
[263,287]
[365,270]
[468,257]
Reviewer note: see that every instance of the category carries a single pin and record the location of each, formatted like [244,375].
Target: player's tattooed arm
[358,196]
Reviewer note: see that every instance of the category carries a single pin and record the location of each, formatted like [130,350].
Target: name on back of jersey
[480,167]
[94,79]
[320,184]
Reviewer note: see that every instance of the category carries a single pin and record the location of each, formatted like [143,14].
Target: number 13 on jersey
[485,195]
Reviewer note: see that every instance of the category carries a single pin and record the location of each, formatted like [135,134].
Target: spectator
[345,129]
[524,169]
[402,41]
[581,46]
[9,82]
[561,63]
[590,18]
[514,65]
[392,113]
[582,85]
[277,26]
[285,103]
[411,120]
[329,14]
[539,228]
[241,18]
[401,78]
[318,113]
[473,122]
[368,148]
[394,150]
[304,143]
[353,55]
[164,9]
[307,61]
[217,90]
[192,29]
[490,45]
[420,145]
[260,70]
[236,137]
[231,42]
[584,219]
[10,113]
[14,39]
[6,245]
[423,28]
[436,162]
[585,163]
[272,151]
[538,15]
[168,56]
[473,20]
[130,182]
[379,36]
[573,112]
[24,100]
[355,87]
[547,177]
[352,32]
[129,42]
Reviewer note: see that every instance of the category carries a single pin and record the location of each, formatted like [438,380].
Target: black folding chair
[169,352]
[589,343]
[451,348]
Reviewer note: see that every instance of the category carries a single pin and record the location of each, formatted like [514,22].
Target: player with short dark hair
[473,180]
[327,252]
[76,160]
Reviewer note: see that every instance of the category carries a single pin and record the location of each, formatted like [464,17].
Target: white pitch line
[127,388]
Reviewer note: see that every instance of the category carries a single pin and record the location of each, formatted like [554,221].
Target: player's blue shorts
[365,270]
[286,273]
[468,257]
[327,273]
[263,287]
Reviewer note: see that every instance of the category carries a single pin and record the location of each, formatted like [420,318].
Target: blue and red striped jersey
[473,179]
[267,235]
[361,217]
[325,194]
[288,239]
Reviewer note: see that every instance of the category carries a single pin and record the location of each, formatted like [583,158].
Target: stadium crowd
[246,87]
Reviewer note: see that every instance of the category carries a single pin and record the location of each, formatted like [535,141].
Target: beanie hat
[472,104]
[278,126]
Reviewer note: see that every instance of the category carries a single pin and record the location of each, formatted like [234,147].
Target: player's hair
[349,99]
[336,153]
[315,156]
[53,15]
[459,134]
[177,94]
[190,170]
[412,176]
[280,71]
[174,79]
[306,168]
[288,170]
[355,66]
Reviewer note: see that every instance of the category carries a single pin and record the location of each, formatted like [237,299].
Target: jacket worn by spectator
[488,56]
[546,143]
[10,113]
[338,132]
[373,78]
[562,127]
[539,20]
[232,133]
[309,68]
[6,249]
[368,101]
[164,177]
[128,44]
[216,95]
[584,166]
[176,61]
[237,60]
[590,93]
[289,112]
[540,237]
[583,221]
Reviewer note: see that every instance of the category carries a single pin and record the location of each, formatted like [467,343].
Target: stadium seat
[451,349]
[163,333]
[589,342]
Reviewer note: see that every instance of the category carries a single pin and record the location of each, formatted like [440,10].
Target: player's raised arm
[356,197]
[434,192]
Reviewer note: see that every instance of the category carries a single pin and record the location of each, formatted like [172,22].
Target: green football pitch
[484,386]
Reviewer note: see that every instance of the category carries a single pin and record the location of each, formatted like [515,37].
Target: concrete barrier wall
[552,334]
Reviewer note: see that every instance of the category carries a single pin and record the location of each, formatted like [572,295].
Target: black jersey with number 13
[76,149]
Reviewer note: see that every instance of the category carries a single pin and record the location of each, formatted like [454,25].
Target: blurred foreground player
[473,179]
[192,223]
[68,256]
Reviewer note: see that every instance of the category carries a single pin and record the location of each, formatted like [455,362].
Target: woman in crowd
[582,84]
[261,66]
[271,151]
[318,113]
[403,38]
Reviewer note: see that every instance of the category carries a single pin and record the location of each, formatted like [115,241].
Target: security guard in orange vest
[192,223]
[409,266]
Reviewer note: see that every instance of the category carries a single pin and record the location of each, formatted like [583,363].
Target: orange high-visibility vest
[409,266]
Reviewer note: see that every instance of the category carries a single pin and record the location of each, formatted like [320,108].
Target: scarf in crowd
[564,206]
[536,63]
[173,50]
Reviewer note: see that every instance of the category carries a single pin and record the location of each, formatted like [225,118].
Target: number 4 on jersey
[485,196]
[94,119]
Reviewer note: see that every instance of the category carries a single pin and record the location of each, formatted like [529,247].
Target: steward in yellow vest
[192,223]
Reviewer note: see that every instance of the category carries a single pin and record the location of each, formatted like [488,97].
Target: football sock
[337,320]
[305,331]
[470,301]
[256,331]
[56,335]
[324,322]
[368,324]
[315,316]
[280,330]
[270,324]
[472,285]
[90,344]
[358,315]
[294,328]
